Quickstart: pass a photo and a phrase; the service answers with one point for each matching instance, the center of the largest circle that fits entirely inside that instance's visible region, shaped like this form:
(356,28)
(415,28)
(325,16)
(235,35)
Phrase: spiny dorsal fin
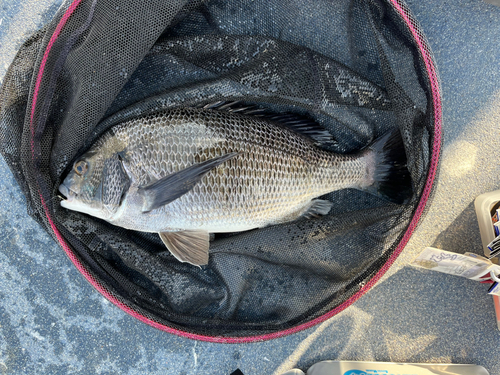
(298,123)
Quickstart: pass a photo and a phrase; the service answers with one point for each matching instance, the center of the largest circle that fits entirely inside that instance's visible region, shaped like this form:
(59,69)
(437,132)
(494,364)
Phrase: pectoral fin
(171,187)
(189,246)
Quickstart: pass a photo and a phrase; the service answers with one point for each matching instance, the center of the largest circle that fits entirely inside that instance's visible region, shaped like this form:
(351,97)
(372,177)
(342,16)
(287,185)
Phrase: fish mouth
(67,193)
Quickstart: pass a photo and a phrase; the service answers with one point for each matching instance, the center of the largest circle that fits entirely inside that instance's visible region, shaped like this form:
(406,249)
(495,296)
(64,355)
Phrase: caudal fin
(391,177)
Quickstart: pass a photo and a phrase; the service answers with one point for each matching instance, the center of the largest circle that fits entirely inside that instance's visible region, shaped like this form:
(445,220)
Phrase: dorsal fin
(301,124)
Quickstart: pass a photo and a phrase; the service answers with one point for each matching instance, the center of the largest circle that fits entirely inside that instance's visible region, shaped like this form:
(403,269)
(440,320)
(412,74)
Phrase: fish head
(96,185)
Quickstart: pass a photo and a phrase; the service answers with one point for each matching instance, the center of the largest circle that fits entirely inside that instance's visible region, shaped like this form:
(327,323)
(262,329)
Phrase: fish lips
(67,194)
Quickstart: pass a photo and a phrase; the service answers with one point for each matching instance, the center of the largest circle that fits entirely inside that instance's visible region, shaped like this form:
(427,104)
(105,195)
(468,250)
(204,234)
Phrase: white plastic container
(386,368)
(484,204)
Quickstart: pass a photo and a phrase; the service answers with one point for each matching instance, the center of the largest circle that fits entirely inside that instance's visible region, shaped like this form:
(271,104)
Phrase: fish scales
(188,172)
(276,173)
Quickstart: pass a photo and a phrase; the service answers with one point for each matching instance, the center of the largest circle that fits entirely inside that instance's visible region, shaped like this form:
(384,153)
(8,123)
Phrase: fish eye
(81,167)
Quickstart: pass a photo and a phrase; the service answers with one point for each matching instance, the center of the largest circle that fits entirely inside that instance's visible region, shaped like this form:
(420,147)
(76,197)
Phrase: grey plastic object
(294,372)
(386,368)
(483,205)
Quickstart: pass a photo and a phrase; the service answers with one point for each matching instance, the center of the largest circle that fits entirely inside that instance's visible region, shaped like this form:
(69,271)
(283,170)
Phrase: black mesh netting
(352,65)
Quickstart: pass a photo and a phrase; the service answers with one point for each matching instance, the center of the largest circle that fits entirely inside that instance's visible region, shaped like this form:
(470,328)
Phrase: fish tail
(389,175)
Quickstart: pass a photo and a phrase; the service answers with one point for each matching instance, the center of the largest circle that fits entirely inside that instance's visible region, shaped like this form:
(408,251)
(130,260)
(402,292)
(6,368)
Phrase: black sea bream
(188,172)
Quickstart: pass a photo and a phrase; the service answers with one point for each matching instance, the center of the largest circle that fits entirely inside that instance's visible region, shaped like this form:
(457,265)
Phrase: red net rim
(424,49)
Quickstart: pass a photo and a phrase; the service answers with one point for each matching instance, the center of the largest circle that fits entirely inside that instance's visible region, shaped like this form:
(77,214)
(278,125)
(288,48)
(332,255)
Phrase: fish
(185,173)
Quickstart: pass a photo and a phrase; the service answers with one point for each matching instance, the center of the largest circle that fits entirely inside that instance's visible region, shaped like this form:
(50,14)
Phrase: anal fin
(189,246)
(318,207)
(311,209)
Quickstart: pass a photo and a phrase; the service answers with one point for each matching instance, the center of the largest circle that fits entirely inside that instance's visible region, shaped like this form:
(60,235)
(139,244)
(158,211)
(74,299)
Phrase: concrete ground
(53,322)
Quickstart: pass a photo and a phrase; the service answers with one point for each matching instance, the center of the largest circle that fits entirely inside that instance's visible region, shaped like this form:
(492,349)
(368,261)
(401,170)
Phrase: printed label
(495,289)
(467,265)
(495,217)
(494,246)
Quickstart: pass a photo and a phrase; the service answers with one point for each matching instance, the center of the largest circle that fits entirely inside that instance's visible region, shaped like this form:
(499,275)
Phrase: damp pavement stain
(53,322)
(18,20)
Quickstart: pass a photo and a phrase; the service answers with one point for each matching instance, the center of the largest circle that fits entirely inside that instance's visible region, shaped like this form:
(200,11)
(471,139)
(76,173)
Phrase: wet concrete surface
(53,322)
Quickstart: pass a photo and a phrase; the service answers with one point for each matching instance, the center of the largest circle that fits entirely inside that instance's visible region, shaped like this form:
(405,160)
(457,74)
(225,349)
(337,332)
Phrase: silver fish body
(257,173)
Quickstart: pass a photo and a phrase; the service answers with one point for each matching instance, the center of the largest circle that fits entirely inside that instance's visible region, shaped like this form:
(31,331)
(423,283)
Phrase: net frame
(36,113)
